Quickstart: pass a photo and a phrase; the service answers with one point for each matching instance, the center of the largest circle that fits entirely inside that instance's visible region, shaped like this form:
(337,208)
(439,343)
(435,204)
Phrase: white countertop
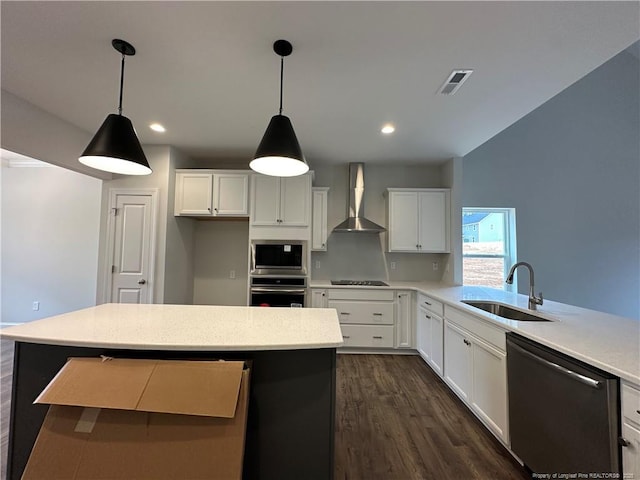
(185,327)
(605,341)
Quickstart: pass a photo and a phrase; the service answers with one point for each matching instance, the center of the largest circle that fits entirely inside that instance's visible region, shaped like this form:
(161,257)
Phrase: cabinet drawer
(380,313)
(430,304)
(631,403)
(359,294)
(478,327)
(367,335)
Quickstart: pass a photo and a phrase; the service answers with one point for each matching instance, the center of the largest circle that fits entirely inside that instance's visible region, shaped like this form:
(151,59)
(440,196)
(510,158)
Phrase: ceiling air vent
(454,81)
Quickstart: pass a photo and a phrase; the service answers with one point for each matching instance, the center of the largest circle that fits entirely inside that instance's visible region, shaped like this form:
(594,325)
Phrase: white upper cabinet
(281,201)
(194,193)
(231,194)
(319,218)
(418,220)
(211,193)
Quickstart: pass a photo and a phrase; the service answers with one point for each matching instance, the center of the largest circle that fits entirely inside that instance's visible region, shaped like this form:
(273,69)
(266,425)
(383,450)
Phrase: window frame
(510,245)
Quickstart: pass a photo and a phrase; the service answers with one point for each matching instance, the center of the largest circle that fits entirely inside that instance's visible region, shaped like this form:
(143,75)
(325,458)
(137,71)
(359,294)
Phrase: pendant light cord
(121,85)
(281,77)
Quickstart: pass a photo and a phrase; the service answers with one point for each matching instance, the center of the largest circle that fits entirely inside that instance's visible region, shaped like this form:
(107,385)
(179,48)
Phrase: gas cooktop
(367,283)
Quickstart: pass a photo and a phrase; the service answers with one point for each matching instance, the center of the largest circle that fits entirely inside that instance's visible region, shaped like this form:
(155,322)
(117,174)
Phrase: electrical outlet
(317,263)
(232,274)
(435,266)
(393,265)
(36,306)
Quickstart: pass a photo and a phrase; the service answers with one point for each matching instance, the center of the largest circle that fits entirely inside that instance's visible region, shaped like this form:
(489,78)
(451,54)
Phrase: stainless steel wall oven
(278,291)
(278,275)
(279,257)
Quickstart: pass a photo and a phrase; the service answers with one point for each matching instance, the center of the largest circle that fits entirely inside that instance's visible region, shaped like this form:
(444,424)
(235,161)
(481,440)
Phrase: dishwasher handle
(559,368)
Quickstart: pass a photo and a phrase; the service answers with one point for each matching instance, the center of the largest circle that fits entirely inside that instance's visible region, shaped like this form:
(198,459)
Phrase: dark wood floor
(6,367)
(396,420)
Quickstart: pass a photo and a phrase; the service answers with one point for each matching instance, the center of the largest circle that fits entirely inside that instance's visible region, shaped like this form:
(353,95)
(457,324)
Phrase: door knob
(142,282)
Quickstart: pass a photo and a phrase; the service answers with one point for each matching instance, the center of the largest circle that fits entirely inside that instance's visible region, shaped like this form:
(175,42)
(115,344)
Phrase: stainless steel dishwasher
(563,414)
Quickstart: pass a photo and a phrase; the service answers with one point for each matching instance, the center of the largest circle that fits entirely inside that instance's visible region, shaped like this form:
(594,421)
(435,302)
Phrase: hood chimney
(356,221)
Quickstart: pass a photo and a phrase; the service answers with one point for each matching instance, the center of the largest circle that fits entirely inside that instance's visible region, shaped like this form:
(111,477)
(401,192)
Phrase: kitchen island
(290,426)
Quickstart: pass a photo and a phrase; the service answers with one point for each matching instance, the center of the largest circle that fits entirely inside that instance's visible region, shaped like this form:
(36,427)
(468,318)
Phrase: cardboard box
(142,419)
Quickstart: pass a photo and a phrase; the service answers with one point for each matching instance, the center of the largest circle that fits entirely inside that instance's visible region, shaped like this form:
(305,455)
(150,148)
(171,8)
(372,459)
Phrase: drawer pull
(623,442)
(377,314)
(427,316)
(378,337)
(346,336)
(638,412)
(427,303)
(466,342)
(345,313)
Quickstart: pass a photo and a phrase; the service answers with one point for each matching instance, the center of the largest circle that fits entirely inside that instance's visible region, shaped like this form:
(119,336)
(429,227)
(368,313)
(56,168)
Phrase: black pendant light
(115,147)
(279,152)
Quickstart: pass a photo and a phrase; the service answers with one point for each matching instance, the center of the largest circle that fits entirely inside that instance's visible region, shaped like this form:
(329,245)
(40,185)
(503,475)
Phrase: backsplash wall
(357,256)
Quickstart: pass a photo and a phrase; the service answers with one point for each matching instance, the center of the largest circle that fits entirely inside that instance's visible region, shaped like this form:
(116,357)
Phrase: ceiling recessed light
(388,129)
(156,127)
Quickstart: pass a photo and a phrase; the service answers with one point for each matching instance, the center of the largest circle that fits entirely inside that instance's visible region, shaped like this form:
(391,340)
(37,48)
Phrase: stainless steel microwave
(278,257)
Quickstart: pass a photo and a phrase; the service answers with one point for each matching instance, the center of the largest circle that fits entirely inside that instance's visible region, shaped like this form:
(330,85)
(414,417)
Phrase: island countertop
(185,327)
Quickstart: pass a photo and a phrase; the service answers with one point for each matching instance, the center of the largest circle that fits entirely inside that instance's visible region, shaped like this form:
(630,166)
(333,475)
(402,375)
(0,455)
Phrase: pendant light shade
(115,147)
(279,153)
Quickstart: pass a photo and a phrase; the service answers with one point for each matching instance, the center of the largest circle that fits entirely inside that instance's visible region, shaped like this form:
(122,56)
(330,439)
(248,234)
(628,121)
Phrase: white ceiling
(207,71)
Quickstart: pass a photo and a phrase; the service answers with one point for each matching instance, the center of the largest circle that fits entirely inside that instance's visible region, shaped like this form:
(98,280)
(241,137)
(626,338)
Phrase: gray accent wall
(571,170)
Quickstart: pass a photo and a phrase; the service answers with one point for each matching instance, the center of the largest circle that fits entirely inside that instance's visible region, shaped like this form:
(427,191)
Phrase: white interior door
(131,278)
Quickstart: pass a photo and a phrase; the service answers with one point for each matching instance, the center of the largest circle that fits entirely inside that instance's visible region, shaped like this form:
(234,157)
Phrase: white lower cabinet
(457,360)
(489,386)
(403,320)
(630,403)
(318,298)
(475,367)
(430,331)
(367,335)
(368,317)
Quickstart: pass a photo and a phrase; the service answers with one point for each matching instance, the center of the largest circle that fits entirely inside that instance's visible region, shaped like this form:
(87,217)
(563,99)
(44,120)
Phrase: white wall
(31,131)
(219,247)
(50,226)
(179,258)
(571,169)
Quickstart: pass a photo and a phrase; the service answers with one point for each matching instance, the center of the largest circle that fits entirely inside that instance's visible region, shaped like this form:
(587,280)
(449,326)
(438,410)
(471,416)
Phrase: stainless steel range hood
(356,221)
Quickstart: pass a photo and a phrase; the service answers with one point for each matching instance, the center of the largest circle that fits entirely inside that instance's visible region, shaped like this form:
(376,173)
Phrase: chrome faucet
(533,300)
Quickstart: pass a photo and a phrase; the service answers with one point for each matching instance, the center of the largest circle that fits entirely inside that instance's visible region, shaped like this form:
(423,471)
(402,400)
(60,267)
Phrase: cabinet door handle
(346,336)
(377,314)
(466,342)
(323,294)
(142,282)
(427,303)
(419,246)
(623,442)
(427,316)
(345,313)
(215,210)
(209,208)
(378,337)
(638,412)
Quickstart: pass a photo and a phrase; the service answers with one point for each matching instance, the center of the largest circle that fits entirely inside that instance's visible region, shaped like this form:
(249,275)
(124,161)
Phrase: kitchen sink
(505,311)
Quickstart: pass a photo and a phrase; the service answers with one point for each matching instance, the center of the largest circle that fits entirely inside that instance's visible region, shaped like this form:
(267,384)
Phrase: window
(488,246)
